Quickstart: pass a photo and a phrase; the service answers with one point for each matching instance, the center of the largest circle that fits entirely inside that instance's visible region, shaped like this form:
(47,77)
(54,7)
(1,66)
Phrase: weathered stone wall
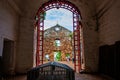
(90,35)
(109,21)
(8,30)
(109,27)
(65,42)
(24,55)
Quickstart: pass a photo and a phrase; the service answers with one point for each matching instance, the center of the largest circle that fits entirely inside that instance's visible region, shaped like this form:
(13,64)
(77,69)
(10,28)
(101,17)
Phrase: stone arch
(59,4)
(76,29)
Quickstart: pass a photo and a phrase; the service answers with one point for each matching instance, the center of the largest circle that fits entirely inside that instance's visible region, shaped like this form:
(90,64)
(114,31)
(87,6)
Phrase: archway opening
(58,35)
(77,47)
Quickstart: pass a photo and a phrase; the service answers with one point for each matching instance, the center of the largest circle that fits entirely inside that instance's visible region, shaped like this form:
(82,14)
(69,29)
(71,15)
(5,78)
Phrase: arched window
(57,42)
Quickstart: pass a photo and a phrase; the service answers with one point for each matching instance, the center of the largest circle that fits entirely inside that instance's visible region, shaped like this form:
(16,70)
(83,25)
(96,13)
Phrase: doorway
(77,27)
(57,56)
(8,56)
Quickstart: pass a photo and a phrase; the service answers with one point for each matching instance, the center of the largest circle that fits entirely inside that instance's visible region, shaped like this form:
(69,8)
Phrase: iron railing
(51,71)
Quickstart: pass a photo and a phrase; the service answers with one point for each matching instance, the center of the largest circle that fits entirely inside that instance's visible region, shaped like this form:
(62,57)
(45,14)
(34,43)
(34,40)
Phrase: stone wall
(109,21)
(24,54)
(65,42)
(103,15)
(8,30)
(109,28)
(90,35)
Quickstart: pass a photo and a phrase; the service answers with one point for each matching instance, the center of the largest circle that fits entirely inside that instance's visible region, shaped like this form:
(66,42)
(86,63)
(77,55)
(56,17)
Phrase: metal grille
(51,71)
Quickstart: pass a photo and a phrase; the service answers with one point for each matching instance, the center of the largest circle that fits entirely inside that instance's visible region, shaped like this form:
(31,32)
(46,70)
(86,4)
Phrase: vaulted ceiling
(29,8)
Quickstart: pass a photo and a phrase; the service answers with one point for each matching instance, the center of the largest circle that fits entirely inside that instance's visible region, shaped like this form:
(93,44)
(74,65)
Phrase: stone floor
(91,77)
(78,76)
